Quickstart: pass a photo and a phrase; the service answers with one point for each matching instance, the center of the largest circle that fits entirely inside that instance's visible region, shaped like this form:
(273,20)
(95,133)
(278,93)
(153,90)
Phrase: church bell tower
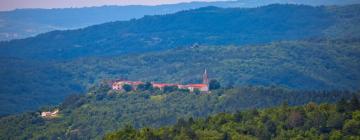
(205,78)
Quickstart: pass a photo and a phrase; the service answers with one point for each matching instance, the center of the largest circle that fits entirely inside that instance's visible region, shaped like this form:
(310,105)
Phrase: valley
(263,71)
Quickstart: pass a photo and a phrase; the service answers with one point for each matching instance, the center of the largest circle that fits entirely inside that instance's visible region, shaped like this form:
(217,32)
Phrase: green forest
(310,64)
(103,110)
(311,121)
(277,76)
(239,46)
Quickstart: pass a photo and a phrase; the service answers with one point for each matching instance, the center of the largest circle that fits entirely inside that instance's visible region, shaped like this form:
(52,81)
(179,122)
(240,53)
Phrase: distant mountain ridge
(22,23)
(207,26)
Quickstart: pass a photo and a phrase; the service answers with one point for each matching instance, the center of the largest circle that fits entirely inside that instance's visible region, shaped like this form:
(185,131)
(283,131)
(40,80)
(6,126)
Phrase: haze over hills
(87,82)
(205,26)
(22,23)
(48,67)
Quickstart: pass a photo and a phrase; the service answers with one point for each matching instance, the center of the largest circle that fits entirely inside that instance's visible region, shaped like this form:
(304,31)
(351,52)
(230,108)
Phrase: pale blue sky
(16,4)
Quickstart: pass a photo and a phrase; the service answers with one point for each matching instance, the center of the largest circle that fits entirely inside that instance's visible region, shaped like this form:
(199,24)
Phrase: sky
(6,5)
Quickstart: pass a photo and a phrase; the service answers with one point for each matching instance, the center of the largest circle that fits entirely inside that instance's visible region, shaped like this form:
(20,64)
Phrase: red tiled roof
(197,85)
(162,85)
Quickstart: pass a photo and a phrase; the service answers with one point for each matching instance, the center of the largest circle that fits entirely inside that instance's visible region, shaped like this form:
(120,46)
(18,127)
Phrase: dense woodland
(16,23)
(279,72)
(205,26)
(311,65)
(315,64)
(103,110)
(43,70)
(311,121)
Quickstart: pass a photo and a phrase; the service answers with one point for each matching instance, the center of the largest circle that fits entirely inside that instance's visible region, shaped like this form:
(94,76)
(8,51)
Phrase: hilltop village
(203,87)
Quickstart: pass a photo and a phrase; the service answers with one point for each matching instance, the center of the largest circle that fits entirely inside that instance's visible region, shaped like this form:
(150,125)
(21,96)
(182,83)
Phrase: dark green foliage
(296,64)
(168,89)
(354,103)
(341,105)
(43,70)
(72,101)
(127,87)
(102,111)
(146,86)
(214,84)
(25,85)
(128,133)
(265,124)
(196,91)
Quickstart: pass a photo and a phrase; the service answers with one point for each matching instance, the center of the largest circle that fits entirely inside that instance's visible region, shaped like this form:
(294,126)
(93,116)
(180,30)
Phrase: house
(118,85)
(50,114)
(200,87)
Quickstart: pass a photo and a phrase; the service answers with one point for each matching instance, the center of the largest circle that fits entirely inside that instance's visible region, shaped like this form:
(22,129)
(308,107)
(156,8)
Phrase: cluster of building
(202,87)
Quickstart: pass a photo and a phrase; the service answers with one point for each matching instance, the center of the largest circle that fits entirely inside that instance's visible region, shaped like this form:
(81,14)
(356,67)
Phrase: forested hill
(44,69)
(205,26)
(22,23)
(325,121)
(101,111)
(316,65)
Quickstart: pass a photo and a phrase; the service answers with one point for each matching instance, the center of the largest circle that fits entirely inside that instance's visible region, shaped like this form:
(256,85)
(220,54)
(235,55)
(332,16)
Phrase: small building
(200,87)
(118,85)
(50,114)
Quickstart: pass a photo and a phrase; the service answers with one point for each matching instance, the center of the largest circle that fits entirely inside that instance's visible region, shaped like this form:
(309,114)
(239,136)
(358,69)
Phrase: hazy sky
(14,4)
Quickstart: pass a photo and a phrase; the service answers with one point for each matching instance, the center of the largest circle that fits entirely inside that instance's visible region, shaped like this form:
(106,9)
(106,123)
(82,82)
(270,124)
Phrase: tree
(128,133)
(226,136)
(146,134)
(352,127)
(270,126)
(214,84)
(127,87)
(354,103)
(72,101)
(296,119)
(146,86)
(341,105)
(168,89)
(197,91)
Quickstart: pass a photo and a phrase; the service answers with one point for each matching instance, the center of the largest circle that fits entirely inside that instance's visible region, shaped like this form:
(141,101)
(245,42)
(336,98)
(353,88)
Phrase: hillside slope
(102,111)
(27,85)
(340,121)
(22,23)
(206,26)
(294,64)
(44,69)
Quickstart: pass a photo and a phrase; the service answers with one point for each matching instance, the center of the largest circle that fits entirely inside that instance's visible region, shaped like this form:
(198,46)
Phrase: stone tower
(205,78)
